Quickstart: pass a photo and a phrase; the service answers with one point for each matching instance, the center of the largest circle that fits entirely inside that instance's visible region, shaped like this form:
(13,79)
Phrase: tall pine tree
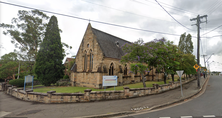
(186,44)
(49,67)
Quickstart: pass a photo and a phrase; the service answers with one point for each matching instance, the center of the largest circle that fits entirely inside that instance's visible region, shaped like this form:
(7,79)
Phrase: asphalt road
(209,103)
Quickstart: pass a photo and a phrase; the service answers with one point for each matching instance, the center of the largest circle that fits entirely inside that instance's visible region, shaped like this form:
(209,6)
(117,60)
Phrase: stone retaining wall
(88,95)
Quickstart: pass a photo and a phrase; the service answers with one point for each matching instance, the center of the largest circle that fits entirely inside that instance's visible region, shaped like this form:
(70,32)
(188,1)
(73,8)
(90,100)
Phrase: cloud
(142,15)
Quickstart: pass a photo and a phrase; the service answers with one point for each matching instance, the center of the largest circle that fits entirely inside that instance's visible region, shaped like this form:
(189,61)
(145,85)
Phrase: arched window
(111,69)
(125,70)
(91,61)
(85,61)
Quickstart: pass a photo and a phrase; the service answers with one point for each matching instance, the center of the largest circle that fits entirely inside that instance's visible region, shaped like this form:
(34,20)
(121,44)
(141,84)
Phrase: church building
(99,55)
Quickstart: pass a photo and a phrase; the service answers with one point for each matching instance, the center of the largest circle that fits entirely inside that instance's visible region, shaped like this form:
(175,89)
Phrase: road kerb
(150,109)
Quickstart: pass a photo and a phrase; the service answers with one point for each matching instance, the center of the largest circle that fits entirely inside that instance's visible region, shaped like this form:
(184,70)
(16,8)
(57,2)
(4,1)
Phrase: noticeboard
(109,80)
(28,79)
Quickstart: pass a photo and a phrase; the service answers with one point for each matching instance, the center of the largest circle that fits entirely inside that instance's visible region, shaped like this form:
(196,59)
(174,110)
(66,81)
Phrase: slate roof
(108,44)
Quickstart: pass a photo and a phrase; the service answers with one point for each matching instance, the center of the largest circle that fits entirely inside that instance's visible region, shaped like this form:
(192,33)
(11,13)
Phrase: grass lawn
(75,89)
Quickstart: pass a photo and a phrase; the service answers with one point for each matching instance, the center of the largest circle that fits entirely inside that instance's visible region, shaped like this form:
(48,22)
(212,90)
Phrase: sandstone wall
(88,95)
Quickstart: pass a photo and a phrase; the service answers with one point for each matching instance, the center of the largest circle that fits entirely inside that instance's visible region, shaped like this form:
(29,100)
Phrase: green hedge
(18,82)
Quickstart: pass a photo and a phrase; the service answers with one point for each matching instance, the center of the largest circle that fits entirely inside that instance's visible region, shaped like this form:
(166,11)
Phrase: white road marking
(209,116)
(186,117)
(4,113)
(164,117)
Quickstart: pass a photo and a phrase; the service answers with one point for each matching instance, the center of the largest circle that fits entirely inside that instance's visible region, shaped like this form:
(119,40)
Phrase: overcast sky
(141,14)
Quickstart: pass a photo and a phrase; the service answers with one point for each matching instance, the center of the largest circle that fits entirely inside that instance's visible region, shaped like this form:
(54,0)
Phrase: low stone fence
(88,95)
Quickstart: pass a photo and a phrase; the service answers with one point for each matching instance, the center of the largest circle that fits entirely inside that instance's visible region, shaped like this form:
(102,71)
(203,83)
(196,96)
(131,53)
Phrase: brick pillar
(132,77)
(126,92)
(49,93)
(87,94)
(3,86)
(120,79)
(7,88)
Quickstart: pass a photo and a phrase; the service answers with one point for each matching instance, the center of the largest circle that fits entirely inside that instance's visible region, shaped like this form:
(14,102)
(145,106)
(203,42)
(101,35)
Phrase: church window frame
(85,61)
(125,70)
(111,69)
(91,61)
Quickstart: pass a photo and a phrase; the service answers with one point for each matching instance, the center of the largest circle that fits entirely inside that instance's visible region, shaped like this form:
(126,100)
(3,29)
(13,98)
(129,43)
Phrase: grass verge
(75,89)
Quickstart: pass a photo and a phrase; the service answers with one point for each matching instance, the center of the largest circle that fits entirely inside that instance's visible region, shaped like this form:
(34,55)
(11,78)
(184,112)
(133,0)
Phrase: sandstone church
(98,55)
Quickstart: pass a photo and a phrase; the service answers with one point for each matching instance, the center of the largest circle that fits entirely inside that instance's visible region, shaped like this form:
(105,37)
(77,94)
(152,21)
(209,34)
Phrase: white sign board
(109,80)
(220,74)
(179,72)
(28,79)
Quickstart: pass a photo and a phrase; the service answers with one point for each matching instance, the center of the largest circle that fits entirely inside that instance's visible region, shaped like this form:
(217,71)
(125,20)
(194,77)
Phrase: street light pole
(209,64)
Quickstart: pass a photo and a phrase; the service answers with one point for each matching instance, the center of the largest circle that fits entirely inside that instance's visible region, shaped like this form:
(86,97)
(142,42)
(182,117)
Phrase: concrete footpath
(13,107)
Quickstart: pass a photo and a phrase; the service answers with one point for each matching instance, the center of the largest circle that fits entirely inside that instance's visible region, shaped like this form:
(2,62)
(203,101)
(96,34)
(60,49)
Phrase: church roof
(110,45)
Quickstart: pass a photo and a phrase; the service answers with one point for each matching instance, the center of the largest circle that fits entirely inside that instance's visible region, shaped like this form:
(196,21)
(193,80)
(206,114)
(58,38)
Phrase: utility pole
(206,60)
(198,44)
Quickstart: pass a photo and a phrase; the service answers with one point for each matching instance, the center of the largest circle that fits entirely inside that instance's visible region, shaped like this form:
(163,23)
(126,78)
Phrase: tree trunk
(164,78)
(143,78)
(148,75)
(172,75)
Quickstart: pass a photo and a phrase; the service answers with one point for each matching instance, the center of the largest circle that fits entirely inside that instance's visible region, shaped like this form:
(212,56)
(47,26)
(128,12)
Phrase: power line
(210,7)
(202,46)
(213,36)
(111,24)
(215,7)
(175,8)
(172,16)
(213,29)
(123,11)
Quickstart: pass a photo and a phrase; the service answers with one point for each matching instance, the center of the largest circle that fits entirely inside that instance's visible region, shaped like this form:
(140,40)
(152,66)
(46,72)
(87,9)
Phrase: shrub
(63,83)
(57,83)
(65,77)
(17,82)
(20,82)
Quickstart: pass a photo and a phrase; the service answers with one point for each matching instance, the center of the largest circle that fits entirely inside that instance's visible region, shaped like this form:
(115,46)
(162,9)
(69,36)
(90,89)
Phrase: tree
(173,60)
(49,67)
(160,56)
(136,54)
(8,65)
(143,57)
(186,44)
(187,62)
(165,57)
(27,32)
(159,52)
(186,49)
